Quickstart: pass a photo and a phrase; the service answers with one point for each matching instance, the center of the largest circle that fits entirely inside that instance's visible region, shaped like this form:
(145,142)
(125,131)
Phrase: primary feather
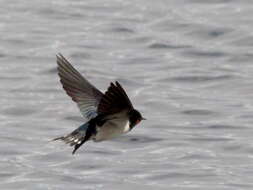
(78,88)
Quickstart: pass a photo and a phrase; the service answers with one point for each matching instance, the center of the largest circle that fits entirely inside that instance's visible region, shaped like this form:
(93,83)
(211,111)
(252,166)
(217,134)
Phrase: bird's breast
(111,129)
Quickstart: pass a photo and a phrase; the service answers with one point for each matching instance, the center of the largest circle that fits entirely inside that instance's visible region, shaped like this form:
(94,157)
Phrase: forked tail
(77,137)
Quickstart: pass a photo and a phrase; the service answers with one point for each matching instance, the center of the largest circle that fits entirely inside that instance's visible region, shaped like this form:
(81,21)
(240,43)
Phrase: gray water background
(186,64)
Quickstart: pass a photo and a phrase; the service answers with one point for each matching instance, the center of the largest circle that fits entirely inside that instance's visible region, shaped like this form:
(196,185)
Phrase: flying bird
(108,114)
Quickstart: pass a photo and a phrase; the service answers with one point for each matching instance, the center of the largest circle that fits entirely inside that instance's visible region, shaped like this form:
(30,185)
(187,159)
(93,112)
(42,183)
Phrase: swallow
(108,114)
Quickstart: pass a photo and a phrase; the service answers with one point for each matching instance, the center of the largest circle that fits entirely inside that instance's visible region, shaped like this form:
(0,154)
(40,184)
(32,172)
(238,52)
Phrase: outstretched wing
(78,88)
(114,100)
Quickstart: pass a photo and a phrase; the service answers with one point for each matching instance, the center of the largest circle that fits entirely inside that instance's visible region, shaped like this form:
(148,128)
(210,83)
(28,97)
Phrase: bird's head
(135,118)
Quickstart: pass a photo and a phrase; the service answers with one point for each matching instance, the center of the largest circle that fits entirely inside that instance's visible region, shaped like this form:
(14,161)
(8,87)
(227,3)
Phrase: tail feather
(76,137)
(58,138)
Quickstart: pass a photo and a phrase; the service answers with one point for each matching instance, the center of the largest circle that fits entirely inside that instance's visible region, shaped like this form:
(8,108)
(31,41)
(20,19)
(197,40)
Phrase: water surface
(186,64)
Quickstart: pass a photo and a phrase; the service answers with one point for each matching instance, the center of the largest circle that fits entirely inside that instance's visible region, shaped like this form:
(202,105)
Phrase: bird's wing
(114,100)
(78,88)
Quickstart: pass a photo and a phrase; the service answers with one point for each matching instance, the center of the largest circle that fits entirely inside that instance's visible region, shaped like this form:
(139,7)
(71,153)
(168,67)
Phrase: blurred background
(186,65)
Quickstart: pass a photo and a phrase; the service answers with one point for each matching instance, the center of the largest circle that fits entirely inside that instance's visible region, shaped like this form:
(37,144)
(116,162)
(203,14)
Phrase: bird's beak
(143,118)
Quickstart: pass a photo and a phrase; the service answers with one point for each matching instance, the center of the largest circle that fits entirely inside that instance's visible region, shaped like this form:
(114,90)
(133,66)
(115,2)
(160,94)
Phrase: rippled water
(186,64)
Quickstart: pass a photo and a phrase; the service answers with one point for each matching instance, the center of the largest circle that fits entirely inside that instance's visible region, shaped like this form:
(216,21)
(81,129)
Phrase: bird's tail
(77,137)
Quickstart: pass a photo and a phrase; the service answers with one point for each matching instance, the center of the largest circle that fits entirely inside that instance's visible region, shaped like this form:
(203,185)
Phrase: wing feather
(78,88)
(114,100)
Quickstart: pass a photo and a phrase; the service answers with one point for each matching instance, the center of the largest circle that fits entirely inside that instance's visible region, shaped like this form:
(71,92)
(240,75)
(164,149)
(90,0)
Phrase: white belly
(112,129)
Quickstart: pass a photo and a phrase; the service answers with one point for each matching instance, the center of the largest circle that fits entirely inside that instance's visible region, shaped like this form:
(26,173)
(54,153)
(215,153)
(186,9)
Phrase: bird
(108,114)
